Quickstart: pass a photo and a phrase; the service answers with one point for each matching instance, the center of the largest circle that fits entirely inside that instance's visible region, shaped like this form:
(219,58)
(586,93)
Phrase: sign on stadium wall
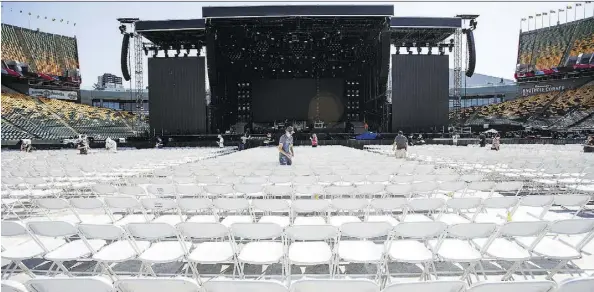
(532,88)
(56,94)
(541,88)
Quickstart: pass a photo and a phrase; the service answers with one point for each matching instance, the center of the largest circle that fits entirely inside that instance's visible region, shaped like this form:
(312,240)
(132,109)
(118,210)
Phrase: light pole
(551,14)
(530,17)
(575,11)
(567,10)
(560,10)
(588,2)
(521,21)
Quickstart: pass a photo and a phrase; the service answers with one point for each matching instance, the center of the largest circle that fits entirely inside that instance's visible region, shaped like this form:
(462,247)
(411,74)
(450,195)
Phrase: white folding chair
(351,179)
(91,204)
(493,208)
(189,190)
(205,180)
(509,187)
(363,250)
(384,210)
(217,285)
(120,249)
(370,190)
(481,189)
(409,244)
(312,191)
(128,204)
(379,178)
(160,251)
(576,285)
(161,190)
(255,180)
(264,247)
(429,286)
(553,248)
(402,179)
(571,204)
(502,246)
(31,247)
(429,208)
(424,189)
(277,180)
(157,284)
(399,190)
(515,286)
(455,244)
(163,209)
(250,190)
(314,207)
(339,192)
(343,285)
(90,284)
(305,180)
(217,191)
(134,191)
(354,208)
(72,250)
(329,179)
(268,207)
(311,245)
(279,191)
(13,286)
(208,250)
(459,206)
(201,206)
(233,211)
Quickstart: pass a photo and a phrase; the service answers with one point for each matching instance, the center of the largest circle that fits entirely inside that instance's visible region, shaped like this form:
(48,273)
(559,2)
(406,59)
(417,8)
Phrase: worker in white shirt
(111,145)
(221,141)
(26,145)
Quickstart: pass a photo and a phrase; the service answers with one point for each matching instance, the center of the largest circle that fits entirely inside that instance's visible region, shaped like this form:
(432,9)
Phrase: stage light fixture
(122,29)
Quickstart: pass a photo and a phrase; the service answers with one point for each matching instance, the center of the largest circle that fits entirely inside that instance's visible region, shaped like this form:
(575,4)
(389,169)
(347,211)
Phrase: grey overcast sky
(99,40)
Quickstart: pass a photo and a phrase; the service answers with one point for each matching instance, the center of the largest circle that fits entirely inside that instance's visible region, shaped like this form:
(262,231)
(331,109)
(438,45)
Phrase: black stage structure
(325,67)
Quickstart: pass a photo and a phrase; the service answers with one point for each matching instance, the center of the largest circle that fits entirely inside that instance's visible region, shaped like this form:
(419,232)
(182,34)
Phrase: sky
(99,40)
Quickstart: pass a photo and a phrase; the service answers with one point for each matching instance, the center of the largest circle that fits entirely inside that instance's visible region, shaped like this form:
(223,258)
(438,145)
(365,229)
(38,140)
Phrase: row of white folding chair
(96,284)
(335,211)
(400,186)
(419,242)
(306,171)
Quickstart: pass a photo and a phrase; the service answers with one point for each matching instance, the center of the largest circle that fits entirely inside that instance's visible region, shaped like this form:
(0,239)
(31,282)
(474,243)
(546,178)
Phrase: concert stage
(315,64)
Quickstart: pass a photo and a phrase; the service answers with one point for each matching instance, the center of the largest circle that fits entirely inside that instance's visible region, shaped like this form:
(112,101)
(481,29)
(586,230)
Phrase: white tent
(491,131)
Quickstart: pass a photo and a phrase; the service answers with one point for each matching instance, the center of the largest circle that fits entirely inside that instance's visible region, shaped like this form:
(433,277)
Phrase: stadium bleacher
(45,53)
(549,48)
(559,110)
(53,119)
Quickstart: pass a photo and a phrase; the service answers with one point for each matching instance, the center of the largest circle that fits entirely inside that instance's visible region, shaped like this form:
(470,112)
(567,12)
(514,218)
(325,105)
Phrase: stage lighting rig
(122,29)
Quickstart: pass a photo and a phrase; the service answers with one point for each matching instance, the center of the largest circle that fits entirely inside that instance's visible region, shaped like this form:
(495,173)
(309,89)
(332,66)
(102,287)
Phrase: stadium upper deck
(557,50)
(44,57)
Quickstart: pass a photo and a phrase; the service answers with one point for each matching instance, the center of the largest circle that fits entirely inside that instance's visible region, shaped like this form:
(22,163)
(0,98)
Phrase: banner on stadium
(55,94)
(541,88)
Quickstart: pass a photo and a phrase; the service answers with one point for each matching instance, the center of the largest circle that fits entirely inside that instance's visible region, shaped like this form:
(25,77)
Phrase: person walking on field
(400,147)
(314,140)
(285,147)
